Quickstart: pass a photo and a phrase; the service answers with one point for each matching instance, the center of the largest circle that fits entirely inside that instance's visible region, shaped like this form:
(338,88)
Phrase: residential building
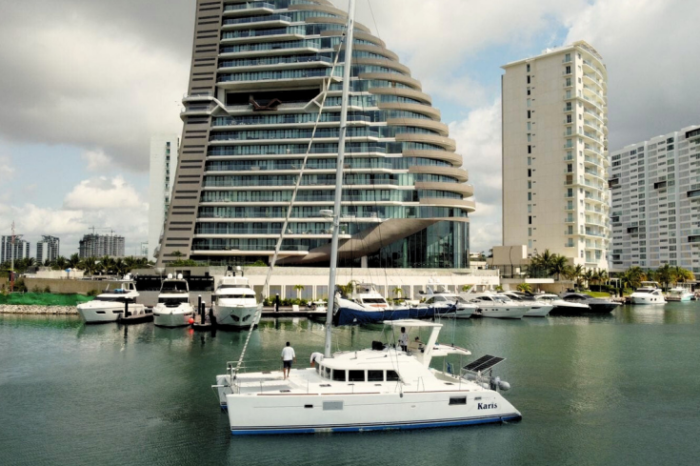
(48,248)
(555,159)
(94,245)
(21,249)
(259,75)
(656,202)
(164,155)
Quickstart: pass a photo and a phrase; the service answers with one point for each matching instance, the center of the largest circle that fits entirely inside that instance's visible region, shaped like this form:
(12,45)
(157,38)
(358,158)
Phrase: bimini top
(411,323)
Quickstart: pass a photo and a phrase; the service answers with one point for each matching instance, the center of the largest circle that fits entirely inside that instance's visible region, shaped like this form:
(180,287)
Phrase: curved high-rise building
(259,71)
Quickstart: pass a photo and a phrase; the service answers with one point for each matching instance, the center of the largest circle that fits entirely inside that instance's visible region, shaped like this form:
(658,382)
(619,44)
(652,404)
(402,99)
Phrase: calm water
(618,390)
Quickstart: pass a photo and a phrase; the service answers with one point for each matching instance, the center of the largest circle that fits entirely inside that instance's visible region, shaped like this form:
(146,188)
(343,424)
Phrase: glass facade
(272,68)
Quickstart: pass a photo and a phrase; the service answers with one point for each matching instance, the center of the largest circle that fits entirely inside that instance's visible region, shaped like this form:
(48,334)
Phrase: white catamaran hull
(241,316)
(172,317)
(302,414)
(98,313)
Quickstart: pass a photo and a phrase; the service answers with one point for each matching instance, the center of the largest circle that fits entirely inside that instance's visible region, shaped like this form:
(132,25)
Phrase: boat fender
(504,386)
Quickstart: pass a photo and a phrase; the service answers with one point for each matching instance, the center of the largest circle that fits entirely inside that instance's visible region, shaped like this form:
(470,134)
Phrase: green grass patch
(597,294)
(43,299)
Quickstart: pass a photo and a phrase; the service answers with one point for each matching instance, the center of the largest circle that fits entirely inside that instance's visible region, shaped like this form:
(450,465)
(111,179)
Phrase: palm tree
(588,276)
(466,288)
(299,289)
(684,275)
(60,263)
(558,265)
(398,291)
(525,288)
(666,274)
(74,261)
(600,276)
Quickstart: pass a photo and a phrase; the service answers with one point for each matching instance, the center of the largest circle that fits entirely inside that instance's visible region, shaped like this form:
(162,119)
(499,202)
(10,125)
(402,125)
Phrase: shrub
(47,289)
(93,293)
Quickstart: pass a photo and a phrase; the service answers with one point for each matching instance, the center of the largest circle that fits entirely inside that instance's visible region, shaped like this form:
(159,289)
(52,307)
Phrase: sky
(86,86)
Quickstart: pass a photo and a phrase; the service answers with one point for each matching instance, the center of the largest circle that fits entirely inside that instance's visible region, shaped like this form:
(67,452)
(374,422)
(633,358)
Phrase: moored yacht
(564,308)
(111,305)
(596,305)
(536,308)
(234,302)
(366,305)
(648,293)
(679,294)
(372,389)
(438,295)
(491,304)
(174,308)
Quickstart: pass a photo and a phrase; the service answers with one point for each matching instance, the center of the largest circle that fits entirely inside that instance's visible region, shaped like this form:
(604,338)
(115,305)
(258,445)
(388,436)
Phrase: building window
(529,149)
(529,162)
(528,79)
(529,218)
(567,58)
(568,70)
(529,232)
(528,67)
(529,114)
(529,173)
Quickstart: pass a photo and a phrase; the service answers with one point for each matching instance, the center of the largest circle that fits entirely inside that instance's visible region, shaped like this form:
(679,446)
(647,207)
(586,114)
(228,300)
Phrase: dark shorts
(287,364)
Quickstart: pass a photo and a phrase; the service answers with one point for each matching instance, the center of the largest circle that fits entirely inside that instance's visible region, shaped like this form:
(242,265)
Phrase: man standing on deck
(277,303)
(288,356)
(403,340)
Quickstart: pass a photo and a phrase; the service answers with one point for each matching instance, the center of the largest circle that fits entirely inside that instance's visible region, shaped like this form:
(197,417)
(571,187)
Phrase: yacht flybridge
(112,305)
(378,388)
(174,308)
(372,389)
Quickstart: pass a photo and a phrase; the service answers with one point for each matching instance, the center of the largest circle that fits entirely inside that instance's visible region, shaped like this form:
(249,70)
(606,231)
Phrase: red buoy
(191,321)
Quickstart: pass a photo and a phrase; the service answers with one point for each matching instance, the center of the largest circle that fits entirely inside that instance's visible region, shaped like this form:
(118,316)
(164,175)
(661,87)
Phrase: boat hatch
(484,363)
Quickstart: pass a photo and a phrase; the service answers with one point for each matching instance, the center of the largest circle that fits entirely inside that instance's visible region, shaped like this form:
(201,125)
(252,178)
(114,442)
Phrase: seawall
(38,310)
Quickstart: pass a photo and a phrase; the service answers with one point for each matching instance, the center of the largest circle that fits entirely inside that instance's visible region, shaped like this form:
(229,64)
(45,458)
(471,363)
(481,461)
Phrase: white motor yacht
(563,308)
(234,303)
(438,295)
(679,294)
(648,293)
(373,389)
(111,305)
(491,304)
(174,308)
(536,307)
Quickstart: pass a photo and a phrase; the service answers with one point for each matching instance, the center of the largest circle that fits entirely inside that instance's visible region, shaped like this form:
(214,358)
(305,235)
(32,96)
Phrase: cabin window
(462,400)
(392,376)
(375,376)
(356,376)
(339,376)
(328,373)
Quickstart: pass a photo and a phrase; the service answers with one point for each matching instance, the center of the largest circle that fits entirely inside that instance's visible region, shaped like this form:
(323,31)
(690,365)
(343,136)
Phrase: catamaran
(383,387)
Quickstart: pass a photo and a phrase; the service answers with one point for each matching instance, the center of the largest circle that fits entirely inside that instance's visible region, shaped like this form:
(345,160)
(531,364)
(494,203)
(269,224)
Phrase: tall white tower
(164,155)
(555,155)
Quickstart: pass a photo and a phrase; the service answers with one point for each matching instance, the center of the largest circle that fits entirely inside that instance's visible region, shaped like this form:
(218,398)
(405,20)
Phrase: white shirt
(288,353)
(317,357)
(403,339)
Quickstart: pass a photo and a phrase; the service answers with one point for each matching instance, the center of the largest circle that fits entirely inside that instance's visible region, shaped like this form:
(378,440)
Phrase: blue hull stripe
(376,427)
(347,316)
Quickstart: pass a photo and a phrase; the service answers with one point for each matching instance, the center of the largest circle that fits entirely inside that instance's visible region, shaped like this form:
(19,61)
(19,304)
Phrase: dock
(269,312)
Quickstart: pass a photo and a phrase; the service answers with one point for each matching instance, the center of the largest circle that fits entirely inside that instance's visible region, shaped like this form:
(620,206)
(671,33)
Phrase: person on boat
(288,356)
(315,358)
(403,339)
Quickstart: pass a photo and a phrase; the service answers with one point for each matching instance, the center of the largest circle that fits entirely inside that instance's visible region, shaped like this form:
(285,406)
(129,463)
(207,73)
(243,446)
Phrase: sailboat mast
(349,38)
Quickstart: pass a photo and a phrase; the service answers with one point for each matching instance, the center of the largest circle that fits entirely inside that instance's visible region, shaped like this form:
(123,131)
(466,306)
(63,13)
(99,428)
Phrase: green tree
(525,288)
(558,265)
(299,289)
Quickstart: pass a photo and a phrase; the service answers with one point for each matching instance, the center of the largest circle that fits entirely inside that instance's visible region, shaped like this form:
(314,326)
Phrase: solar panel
(483,363)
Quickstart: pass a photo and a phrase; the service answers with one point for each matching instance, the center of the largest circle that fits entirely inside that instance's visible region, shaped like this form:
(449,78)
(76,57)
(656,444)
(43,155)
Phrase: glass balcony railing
(274,61)
(249,6)
(258,19)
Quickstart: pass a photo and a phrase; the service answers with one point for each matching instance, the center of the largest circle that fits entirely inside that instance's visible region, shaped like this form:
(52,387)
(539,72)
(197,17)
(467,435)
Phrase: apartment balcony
(274,63)
(257,22)
(264,35)
(593,69)
(249,8)
(592,149)
(262,50)
(292,78)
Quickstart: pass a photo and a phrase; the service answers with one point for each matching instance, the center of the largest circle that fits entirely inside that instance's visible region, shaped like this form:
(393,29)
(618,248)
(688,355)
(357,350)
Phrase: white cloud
(479,141)
(97,160)
(104,203)
(95,85)
(103,194)
(6,168)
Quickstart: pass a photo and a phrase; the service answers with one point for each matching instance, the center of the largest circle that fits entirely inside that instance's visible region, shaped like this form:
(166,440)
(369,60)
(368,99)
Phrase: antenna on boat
(349,37)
